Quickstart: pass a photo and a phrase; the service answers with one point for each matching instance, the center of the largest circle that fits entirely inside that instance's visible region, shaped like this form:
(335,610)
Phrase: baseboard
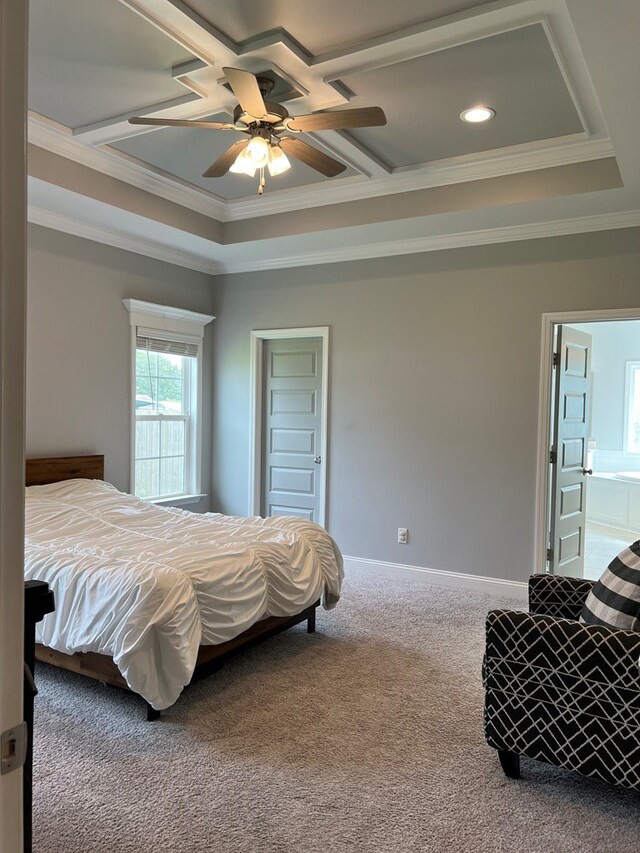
(439,577)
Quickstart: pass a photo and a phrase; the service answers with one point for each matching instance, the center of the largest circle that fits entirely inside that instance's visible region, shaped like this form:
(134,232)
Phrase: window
(163,418)
(632,408)
(167,380)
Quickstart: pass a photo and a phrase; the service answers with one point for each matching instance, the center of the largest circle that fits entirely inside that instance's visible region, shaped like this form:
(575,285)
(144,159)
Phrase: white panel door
(569,452)
(292,427)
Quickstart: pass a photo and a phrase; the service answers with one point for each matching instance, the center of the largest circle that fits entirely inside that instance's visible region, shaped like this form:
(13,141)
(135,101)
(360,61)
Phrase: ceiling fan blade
(245,88)
(364,117)
(179,122)
(312,157)
(222,164)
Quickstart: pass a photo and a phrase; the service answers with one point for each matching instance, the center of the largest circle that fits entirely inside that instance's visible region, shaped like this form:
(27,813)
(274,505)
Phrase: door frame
(258,336)
(13,225)
(543,483)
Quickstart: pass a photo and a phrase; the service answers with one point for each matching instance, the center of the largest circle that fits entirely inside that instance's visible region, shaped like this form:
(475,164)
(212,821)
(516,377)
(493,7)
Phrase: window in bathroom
(632,408)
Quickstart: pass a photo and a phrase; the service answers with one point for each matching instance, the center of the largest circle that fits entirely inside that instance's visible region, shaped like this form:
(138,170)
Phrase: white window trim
(175,323)
(630,367)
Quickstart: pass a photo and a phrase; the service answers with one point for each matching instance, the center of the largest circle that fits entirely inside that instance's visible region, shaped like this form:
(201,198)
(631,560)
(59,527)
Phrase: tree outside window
(162,423)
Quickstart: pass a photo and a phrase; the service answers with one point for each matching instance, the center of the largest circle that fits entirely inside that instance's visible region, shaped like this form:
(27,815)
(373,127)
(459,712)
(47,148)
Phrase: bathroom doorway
(593,443)
(613,447)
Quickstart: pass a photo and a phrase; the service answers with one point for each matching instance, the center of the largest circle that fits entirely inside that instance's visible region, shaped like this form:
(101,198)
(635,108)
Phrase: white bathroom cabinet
(613,502)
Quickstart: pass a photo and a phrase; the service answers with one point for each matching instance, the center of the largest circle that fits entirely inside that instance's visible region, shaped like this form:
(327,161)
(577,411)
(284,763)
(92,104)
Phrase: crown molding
(523,158)
(414,245)
(528,157)
(59,139)
(432,243)
(120,240)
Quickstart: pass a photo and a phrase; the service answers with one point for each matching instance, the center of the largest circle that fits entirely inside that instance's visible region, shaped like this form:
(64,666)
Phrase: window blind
(170,347)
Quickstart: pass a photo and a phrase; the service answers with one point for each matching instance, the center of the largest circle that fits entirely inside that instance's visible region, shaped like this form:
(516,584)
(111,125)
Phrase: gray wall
(434,389)
(79,345)
(613,345)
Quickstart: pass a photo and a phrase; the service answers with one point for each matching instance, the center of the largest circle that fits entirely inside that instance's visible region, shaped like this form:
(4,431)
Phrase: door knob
(317,459)
(587,471)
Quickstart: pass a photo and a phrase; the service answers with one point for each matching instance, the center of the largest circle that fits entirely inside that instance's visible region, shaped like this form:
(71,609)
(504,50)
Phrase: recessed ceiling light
(477,114)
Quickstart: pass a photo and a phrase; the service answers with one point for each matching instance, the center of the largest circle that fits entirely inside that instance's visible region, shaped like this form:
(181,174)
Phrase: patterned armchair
(560,691)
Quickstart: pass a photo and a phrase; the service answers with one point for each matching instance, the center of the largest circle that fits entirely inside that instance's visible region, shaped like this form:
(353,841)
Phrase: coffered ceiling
(327,26)
(514,72)
(92,59)
(547,68)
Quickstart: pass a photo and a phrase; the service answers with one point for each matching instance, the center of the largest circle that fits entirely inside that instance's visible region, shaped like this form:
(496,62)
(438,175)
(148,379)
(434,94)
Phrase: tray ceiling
(538,63)
(515,72)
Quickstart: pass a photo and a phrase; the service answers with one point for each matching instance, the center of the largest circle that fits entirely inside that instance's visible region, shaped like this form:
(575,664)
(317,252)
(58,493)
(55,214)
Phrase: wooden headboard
(54,469)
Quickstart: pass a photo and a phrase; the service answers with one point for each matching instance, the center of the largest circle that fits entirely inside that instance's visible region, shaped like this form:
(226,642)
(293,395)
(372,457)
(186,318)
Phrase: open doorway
(594,459)
(613,449)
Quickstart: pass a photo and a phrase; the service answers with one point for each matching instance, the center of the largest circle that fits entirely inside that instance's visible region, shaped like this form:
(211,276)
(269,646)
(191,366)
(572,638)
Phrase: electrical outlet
(403,535)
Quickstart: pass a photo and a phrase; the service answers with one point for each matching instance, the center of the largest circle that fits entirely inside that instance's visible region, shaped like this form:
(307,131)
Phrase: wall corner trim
(439,577)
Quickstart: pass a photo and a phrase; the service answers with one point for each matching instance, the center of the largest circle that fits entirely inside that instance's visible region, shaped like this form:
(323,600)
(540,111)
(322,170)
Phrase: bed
(150,598)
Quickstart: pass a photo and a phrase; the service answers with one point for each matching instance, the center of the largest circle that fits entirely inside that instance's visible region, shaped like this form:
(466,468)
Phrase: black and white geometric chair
(560,691)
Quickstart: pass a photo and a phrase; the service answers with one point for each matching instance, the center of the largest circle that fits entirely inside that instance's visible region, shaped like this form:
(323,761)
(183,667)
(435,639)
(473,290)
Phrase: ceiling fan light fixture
(258,151)
(244,164)
(278,161)
(476,115)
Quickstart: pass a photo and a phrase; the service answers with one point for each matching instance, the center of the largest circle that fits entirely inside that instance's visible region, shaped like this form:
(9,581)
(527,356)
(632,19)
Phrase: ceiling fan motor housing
(265,84)
(275,113)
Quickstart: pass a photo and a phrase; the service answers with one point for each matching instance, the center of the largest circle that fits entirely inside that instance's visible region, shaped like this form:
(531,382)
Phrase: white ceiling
(559,73)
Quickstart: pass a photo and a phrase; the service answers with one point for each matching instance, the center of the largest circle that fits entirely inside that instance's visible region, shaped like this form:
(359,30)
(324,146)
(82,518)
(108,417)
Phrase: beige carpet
(366,736)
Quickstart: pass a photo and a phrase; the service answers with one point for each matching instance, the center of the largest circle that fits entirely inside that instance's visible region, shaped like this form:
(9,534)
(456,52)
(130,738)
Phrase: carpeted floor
(366,736)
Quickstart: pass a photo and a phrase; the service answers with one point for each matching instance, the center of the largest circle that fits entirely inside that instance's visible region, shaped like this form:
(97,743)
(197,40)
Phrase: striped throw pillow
(614,600)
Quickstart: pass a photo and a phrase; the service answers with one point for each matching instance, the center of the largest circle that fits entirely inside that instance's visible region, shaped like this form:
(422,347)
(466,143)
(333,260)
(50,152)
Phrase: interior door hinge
(553,457)
(13,748)
(556,359)
(549,555)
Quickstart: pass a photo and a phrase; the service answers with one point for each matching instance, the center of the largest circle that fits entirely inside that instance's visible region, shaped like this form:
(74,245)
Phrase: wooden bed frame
(55,469)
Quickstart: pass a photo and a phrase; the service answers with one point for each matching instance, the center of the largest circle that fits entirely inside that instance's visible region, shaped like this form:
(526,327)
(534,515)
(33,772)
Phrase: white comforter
(148,585)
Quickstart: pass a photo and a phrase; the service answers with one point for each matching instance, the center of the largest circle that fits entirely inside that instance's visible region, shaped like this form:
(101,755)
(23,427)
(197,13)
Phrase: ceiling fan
(264,122)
